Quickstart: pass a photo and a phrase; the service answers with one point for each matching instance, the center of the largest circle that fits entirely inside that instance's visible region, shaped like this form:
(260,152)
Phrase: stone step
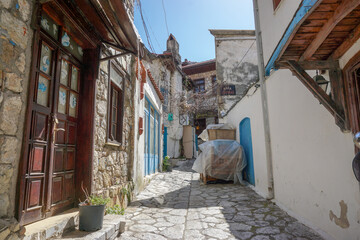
(52,227)
(113,226)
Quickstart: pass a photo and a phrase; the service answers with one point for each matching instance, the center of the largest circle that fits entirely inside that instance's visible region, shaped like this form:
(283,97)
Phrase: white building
(300,135)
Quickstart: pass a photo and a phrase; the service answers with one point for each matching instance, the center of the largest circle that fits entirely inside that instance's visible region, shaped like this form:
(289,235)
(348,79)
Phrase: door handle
(55,128)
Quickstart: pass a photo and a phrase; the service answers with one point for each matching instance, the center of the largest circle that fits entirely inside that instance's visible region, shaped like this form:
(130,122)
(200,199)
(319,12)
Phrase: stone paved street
(177,206)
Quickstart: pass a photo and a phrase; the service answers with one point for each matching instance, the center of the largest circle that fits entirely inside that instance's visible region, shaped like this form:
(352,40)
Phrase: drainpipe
(264,101)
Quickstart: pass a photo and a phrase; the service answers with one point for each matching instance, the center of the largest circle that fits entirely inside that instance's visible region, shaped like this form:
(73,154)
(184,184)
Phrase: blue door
(165,143)
(246,143)
(152,139)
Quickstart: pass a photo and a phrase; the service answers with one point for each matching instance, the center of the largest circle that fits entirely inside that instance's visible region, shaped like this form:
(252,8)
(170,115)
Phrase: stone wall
(15,47)
(111,173)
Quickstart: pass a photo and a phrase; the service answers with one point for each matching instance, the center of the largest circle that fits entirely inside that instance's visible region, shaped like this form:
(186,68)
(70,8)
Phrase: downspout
(264,100)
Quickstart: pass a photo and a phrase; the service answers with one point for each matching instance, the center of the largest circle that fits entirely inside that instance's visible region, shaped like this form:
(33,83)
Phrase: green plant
(166,163)
(116,209)
(98,200)
(93,199)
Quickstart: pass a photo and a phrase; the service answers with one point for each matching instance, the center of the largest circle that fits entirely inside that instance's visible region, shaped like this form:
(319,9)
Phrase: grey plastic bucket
(91,217)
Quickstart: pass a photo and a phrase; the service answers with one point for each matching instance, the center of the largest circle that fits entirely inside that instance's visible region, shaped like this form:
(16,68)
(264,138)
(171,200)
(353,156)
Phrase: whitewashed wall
(311,157)
(139,146)
(274,23)
(250,106)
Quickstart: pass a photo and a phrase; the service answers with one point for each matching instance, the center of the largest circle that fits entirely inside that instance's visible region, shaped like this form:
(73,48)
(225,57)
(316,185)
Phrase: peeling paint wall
(236,64)
(312,158)
(171,87)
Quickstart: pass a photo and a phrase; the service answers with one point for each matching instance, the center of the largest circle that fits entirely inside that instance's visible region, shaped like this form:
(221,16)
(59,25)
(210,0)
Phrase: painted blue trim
(305,7)
(151,161)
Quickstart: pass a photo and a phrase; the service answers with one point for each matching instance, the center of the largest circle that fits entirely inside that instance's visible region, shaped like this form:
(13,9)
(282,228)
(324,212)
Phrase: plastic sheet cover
(221,159)
(205,136)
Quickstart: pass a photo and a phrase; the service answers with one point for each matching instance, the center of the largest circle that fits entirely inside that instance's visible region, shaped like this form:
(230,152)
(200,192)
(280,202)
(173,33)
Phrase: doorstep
(52,227)
(113,226)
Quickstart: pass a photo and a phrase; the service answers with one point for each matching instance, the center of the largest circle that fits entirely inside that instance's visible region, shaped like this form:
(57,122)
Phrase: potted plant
(91,212)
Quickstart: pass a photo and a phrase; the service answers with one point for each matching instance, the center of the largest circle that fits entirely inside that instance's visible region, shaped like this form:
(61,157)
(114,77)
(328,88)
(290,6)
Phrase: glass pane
(43,91)
(72,46)
(113,131)
(64,72)
(74,78)
(116,77)
(114,115)
(62,100)
(147,105)
(73,104)
(114,98)
(45,59)
(49,26)
(152,143)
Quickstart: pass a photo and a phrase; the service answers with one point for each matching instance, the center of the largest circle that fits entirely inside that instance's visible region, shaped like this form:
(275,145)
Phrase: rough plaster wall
(251,106)
(311,158)
(170,84)
(15,47)
(139,140)
(236,64)
(110,163)
(280,18)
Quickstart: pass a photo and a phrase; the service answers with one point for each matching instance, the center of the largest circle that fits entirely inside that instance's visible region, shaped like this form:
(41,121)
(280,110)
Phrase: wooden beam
(338,95)
(346,45)
(316,90)
(341,11)
(310,65)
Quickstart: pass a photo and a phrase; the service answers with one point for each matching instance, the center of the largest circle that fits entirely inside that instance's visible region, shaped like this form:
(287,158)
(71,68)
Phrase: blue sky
(189,21)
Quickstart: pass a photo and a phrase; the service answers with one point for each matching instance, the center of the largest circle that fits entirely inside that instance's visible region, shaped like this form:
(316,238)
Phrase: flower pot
(91,217)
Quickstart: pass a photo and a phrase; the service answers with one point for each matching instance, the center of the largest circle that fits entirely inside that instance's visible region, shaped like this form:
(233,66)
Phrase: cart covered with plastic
(221,159)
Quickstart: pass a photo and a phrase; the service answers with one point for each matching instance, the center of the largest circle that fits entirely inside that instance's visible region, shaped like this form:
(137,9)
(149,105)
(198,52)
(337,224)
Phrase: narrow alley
(177,205)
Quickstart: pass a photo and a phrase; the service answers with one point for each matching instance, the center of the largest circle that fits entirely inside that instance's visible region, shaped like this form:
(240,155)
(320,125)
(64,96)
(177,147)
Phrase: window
(276,3)
(115,103)
(213,81)
(199,85)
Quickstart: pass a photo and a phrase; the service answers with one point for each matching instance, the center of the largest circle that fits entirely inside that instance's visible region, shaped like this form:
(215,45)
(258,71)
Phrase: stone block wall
(15,47)
(111,164)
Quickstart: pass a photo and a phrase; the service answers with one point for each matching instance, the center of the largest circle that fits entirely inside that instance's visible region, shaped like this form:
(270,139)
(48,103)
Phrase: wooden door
(48,169)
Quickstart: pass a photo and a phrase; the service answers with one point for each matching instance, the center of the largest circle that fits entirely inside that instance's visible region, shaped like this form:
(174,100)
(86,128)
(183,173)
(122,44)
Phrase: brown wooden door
(47,184)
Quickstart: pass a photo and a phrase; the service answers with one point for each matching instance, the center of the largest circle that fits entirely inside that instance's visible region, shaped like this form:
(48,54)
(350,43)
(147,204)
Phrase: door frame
(86,113)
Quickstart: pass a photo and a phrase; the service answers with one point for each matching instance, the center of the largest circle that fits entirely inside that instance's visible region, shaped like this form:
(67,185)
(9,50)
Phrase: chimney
(172,46)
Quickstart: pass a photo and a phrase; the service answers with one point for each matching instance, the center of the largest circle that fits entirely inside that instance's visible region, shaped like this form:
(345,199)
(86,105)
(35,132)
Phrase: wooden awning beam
(310,65)
(340,13)
(346,45)
(316,90)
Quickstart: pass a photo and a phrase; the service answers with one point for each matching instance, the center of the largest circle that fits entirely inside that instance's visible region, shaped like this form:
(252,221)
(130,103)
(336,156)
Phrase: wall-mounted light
(321,81)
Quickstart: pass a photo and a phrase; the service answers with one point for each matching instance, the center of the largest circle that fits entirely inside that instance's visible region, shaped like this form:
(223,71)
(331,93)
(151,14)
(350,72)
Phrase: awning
(99,20)
(320,32)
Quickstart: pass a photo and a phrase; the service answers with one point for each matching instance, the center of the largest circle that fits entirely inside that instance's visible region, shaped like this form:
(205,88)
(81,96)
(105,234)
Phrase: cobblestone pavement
(177,206)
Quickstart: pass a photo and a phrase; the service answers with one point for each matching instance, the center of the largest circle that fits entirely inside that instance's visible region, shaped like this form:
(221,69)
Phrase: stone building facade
(15,47)
(112,163)
(203,75)
(105,168)
(236,66)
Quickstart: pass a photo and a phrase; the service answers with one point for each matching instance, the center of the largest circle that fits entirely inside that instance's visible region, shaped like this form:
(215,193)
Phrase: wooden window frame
(276,3)
(197,85)
(112,86)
